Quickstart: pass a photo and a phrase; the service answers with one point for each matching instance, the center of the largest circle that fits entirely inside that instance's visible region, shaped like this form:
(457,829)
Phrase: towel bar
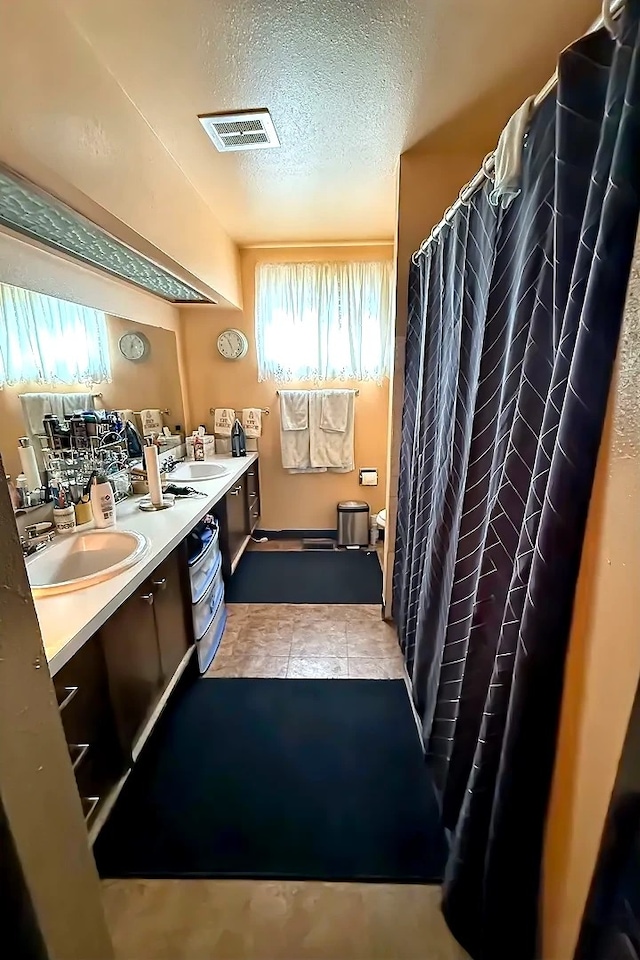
(265,410)
(356,393)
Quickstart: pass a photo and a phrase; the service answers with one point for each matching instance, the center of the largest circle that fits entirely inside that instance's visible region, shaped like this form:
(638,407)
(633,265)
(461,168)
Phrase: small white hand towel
(294,409)
(330,450)
(36,405)
(508,156)
(294,431)
(152,422)
(334,414)
(252,421)
(223,420)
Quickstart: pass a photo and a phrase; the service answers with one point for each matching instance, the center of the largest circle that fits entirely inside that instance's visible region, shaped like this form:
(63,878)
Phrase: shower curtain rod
(610,10)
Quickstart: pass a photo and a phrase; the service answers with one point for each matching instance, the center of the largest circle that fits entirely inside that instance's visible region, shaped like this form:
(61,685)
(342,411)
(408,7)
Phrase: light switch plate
(368,477)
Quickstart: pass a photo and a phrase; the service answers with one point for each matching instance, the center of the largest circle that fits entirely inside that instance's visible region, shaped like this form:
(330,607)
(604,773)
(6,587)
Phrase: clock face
(232,344)
(133,346)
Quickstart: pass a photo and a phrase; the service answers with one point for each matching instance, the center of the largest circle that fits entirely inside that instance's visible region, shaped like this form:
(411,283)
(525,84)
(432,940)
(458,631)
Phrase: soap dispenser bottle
(238,440)
(102,502)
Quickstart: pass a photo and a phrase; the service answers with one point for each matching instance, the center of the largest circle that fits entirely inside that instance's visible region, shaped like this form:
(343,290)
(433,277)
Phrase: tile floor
(286,920)
(307,640)
(276,920)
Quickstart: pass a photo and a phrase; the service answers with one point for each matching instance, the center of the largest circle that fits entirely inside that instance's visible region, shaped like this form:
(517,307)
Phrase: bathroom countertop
(67,620)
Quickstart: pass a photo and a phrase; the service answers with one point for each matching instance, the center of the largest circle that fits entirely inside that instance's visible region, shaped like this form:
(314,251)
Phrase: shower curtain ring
(462,199)
(488,171)
(449,214)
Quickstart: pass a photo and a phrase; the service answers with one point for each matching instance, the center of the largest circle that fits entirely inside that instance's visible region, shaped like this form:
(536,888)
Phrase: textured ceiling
(350,85)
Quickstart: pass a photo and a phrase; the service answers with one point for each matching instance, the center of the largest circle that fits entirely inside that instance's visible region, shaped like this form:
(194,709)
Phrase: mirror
(146,378)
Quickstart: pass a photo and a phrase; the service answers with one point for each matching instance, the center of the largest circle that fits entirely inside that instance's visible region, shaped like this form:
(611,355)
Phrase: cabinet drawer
(89,723)
(252,480)
(204,610)
(204,568)
(209,643)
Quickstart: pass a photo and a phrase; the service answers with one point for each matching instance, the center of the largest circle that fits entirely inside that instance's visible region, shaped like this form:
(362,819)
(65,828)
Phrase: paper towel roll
(152,467)
(29,464)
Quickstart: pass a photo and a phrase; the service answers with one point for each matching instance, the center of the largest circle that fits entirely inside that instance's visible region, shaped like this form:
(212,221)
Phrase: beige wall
(153,383)
(603,664)
(288,501)
(66,124)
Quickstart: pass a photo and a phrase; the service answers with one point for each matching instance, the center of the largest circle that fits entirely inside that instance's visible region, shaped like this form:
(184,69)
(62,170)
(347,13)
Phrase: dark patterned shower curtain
(513,325)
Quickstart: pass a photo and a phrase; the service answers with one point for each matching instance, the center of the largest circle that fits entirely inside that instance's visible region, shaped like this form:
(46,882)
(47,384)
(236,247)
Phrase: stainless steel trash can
(353,523)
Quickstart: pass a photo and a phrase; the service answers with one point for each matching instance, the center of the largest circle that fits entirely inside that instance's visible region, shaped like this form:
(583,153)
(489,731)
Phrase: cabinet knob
(147,597)
(159,584)
(234,493)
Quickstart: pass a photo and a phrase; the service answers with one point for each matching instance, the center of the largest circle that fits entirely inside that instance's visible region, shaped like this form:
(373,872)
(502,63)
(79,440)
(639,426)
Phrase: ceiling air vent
(249,130)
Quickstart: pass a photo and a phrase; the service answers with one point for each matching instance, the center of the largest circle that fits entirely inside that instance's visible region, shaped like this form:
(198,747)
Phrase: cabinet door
(89,724)
(237,517)
(169,613)
(130,645)
(253,496)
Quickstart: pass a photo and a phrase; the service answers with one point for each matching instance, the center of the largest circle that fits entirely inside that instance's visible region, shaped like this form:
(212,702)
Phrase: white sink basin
(190,472)
(75,561)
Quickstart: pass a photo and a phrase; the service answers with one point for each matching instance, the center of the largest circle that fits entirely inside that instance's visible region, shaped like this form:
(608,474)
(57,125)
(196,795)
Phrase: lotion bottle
(102,502)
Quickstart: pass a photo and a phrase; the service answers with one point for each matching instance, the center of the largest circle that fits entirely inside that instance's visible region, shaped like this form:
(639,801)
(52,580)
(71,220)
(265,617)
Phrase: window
(50,341)
(323,321)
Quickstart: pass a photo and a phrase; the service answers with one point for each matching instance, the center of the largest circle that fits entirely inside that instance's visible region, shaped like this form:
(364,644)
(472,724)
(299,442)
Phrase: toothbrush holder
(65,519)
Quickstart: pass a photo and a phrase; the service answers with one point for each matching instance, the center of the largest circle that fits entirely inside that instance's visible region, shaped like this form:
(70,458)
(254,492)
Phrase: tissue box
(209,446)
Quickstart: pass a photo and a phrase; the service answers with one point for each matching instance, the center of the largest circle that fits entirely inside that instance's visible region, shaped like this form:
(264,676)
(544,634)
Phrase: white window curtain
(46,340)
(323,321)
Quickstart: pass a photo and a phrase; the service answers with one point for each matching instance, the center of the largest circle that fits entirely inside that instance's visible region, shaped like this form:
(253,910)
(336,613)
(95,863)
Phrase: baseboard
(295,534)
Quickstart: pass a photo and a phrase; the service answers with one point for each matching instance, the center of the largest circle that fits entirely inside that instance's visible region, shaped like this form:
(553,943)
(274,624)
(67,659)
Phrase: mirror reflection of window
(46,340)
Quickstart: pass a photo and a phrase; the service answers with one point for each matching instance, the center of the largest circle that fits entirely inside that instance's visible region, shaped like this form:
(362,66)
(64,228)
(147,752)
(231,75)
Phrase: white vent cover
(249,130)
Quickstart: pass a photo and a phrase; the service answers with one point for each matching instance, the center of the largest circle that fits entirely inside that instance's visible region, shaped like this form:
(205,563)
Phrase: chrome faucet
(34,541)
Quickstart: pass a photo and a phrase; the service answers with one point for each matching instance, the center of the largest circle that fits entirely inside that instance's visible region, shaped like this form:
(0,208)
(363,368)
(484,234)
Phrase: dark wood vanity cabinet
(169,610)
(130,642)
(237,524)
(238,514)
(253,496)
(89,722)
(144,642)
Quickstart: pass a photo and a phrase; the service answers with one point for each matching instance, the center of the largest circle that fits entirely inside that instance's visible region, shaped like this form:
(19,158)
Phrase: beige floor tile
(228,647)
(358,612)
(305,613)
(379,630)
(310,644)
(320,628)
(276,920)
(236,612)
(377,649)
(274,641)
(383,668)
(225,667)
(268,613)
(262,665)
(324,668)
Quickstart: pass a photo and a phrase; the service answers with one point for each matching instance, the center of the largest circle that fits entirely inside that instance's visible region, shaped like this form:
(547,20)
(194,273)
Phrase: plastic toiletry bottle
(102,503)
(13,493)
(198,447)
(22,486)
(238,440)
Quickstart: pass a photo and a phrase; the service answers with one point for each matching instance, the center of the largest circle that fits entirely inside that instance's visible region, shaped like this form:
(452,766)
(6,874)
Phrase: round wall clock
(232,344)
(133,346)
